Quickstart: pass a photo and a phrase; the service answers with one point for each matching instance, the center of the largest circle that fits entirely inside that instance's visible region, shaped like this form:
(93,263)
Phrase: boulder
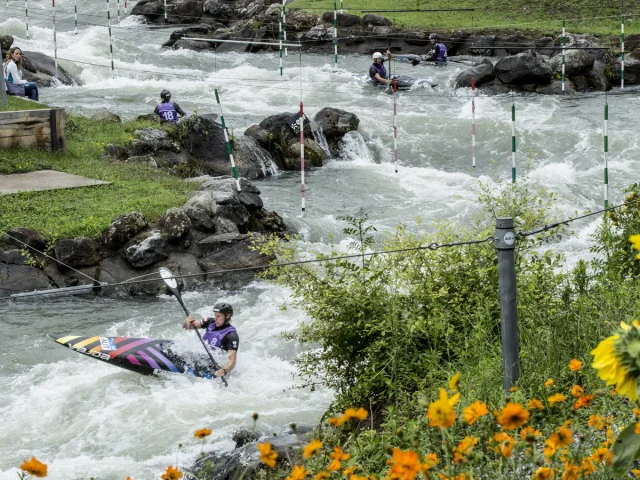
(123,229)
(153,10)
(244,436)
(22,278)
(282,135)
(226,192)
(250,200)
(483,73)
(144,159)
(597,78)
(264,221)
(77,252)
(523,68)
(314,155)
(300,21)
(635,53)
(483,46)
(12,257)
(148,117)
(116,152)
(221,241)
(319,33)
(216,8)
(5,42)
(259,134)
(580,83)
(43,69)
(343,19)
(370,20)
(335,122)
(25,237)
(252,159)
(106,116)
(204,140)
(577,62)
(555,88)
(175,224)
(224,225)
(151,140)
(631,71)
(184,11)
(201,209)
(238,214)
(148,252)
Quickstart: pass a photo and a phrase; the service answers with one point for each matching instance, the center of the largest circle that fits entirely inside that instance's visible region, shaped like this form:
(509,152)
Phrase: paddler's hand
(221,373)
(188,323)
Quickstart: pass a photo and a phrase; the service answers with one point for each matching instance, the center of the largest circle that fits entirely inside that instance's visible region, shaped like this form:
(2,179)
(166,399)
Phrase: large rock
(259,134)
(77,252)
(225,192)
(198,30)
(343,19)
(204,139)
(217,8)
(175,224)
(106,116)
(22,278)
(123,229)
(43,70)
(201,209)
(300,21)
(238,214)
(148,252)
(151,140)
(116,152)
(25,237)
(12,257)
(631,71)
(577,62)
(6,41)
(555,88)
(482,73)
(335,122)
(597,78)
(523,68)
(314,155)
(371,20)
(219,242)
(319,33)
(282,135)
(264,221)
(153,10)
(252,159)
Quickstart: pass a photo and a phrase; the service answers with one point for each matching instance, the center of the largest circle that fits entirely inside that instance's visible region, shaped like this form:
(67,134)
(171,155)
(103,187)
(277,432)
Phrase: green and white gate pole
(622,52)
(3,87)
(165,11)
(118,11)
(301,120)
(75,17)
(606,155)
(473,121)
(26,17)
(505,244)
(280,39)
(284,25)
(109,27)
(564,41)
(227,142)
(335,34)
(513,143)
(55,37)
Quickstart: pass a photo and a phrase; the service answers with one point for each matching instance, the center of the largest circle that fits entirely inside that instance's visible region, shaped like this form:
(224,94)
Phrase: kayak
(145,356)
(417,60)
(405,82)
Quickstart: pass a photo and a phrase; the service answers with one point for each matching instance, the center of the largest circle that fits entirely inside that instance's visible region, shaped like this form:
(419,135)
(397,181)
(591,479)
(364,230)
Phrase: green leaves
(626,450)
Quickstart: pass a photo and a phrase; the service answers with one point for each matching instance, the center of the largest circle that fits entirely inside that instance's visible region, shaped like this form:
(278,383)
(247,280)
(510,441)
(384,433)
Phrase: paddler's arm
(191,323)
(380,79)
(232,363)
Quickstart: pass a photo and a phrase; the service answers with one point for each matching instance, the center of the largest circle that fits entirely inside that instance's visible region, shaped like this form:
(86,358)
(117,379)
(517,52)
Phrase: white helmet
(377,55)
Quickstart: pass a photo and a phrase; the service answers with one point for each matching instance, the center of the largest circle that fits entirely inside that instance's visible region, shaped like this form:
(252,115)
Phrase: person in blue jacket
(377,72)
(439,52)
(168,110)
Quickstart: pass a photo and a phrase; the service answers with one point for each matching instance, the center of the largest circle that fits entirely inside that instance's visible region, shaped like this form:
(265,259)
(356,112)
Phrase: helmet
(223,307)
(434,35)
(165,95)
(377,55)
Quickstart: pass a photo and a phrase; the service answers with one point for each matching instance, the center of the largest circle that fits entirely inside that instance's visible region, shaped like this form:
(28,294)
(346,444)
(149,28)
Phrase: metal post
(118,11)
(505,243)
(622,51)
(26,17)
(165,11)
(284,25)
(335,35)
(301,120)
(280,39)
(3,87)
(564,40)
(473,121)
(513,143)
(606,155)
(55,37)
(109,27)
(75,17)
(395,125)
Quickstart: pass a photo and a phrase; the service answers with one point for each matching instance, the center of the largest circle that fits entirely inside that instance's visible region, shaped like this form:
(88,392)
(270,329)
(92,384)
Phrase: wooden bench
(41,129)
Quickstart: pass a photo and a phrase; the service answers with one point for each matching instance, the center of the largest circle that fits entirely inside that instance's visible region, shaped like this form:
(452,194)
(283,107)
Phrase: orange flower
(441,413)
(405,465)
(637,429)
(171,474)
(602,455)
(512,416)
(584,402)
(587,467)
(298,473)
(34,467)
(430,461)
(337,457)
(463,449)
(571,472)
(597,422)
(529,434)
(128,478)
(335,421)
(268,455)
(454,382)
(505,443)
(474,411)
(549,382)
(513,389)
(575,365)
(562,437)
(535,404)
(577,391)
(323,475)
(349,470)
(312,448)
(203,433)
(557,398)
(359,414)
(543,473)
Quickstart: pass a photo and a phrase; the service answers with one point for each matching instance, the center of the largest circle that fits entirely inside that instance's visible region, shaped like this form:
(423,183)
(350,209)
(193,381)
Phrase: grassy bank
(544,17)
(87,211)
(17,103)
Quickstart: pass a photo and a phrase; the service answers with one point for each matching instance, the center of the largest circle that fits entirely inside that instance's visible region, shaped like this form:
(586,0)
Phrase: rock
(151,140)
(238,214)
(252,160)
(250,200)
(314,155)
(153,10)
(319,33)
(577,62)
(201,209)
(12,257)
(77,252)
(175,223)
(123,229)
(523,68)
(511,45)
(225,192)
(300,21)
(264,221)
(273,10)
(370,20)
(580,83)
(144,159)
(483,73)
(224,225)
(483,46)
(43,66)
(584,42)
(170,159)
(216,8)
(22,278)
(21,236)
(105,116)
(117,152)
(555,88)
(335,122)
(219,242)
(282,135)
(259,134)
(151,250)
(343,19)
(148,117)
(597,77)
(244,436)
(6,41)
(205,142)
(631,71)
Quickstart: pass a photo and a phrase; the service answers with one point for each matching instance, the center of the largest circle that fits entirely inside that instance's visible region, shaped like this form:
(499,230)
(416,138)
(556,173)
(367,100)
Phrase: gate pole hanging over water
(564,40)
(118,11)
(284,25)
(505,244)
(280,38)
(109,26)
(335,34)
(26,17)
(622,49)
(55,37)
(473,121)
(75,17)
(125,7)
(227,142)
(165,11)
(302,154)
(606,155)
(395,124)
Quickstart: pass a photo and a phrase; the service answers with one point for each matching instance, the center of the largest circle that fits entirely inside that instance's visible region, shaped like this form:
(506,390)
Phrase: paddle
(170,280)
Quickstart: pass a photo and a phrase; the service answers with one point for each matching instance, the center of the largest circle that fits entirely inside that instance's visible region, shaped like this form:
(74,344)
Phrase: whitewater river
(87,419)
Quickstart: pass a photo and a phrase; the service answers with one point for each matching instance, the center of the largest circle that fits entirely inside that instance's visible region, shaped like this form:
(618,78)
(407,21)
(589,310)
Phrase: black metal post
(3,87)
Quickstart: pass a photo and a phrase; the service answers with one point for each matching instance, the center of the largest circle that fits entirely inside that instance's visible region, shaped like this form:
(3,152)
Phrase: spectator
(13,76)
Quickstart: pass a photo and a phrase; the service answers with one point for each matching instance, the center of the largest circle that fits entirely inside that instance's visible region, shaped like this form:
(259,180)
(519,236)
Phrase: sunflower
(512,416)
(34,467)
(474,411)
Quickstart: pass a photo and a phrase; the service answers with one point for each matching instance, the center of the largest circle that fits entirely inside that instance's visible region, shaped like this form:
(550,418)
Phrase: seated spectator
(168,110)
(14,83)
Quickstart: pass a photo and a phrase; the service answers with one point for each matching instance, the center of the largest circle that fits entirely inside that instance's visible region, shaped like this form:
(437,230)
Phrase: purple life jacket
(214,337)
(442,53)
(379,69)
(167,111)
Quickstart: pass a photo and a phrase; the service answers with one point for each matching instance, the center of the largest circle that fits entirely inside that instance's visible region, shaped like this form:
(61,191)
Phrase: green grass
(539,17)
(87,211)
(17,103)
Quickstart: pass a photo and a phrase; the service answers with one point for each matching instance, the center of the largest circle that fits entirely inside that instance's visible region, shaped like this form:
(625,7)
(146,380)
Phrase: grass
(537,17)
(87,211)
(17,103)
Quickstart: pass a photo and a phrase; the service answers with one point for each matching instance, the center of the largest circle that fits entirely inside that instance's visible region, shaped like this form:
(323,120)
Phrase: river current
(88,419)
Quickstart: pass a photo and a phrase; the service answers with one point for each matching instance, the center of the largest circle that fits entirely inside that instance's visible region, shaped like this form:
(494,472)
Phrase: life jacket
(379,69)
(167,111)
(442,53)
(214,337)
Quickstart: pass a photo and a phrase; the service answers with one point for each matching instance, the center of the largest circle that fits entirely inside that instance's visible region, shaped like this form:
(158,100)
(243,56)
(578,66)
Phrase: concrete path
(43,180)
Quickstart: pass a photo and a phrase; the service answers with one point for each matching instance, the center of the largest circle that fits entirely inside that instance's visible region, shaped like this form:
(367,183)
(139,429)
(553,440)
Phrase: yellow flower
(543,473)
(637,429)
(430,461)
(474,411)
(505,443)
(588,467)
(535,404)
(463,449)
(585,401)
(597,422)
(203,433)
(34,467)
(312,448)
(635,239)
(322,475)
(171,474)
(454,381)
(577,391)
(405,465)
(557,398)
(441,413)
(549,382)
(602,455)
(575,365)
(571,472)
(512,416)
(268,455)
(349,471)
(359,414)
(562,437)
(529,434)
(337,457)
(636,472)
(636,412)
(298,473)
(513,389)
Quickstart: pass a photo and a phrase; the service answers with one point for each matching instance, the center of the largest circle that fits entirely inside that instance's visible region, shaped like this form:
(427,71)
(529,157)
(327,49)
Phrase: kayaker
(168,110)
(220,333)
(439,52)
(377,72)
